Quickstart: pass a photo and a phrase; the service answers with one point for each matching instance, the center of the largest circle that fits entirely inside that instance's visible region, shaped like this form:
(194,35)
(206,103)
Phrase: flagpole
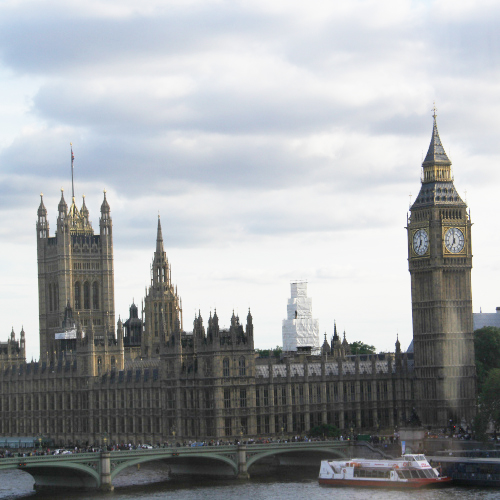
(72,183)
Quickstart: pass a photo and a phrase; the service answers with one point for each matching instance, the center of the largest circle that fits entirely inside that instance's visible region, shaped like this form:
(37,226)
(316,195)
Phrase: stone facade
(205,385)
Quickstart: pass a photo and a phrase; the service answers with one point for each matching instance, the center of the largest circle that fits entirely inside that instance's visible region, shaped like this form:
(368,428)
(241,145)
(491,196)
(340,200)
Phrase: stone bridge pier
(242,462)
(106,484)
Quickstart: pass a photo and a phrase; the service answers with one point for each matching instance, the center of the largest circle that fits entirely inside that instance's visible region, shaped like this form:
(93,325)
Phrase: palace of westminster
(147,380)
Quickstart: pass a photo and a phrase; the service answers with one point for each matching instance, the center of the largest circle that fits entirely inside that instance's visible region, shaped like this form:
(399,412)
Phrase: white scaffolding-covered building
(300,330)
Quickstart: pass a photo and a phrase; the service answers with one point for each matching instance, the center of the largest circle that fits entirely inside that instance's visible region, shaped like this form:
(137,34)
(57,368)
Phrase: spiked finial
(72,181)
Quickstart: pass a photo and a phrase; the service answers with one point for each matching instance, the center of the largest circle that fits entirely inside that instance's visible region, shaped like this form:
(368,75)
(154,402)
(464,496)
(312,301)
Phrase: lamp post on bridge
(105,440)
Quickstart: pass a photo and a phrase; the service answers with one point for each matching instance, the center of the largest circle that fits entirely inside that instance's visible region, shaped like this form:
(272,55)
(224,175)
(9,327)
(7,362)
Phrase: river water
(151,483)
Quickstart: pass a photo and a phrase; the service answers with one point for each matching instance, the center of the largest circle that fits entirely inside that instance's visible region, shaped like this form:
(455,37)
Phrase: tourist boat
(409,471)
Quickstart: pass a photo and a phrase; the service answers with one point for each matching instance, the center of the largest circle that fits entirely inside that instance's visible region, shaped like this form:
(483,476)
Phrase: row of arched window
(226,370)
(83,297)
(53,297)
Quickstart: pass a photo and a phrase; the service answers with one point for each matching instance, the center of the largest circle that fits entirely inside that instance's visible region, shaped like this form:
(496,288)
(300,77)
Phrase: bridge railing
(229,448)
(44,458)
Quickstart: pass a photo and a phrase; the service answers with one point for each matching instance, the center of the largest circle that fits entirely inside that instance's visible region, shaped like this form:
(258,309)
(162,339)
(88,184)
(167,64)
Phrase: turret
(345,346)
(198,330)
(398,355)
(325,348)
(22,344)
(215,325)
(120,358)
(105,221)
(119,333)
(62,209)
(42,226)
(249,330)
(84,212)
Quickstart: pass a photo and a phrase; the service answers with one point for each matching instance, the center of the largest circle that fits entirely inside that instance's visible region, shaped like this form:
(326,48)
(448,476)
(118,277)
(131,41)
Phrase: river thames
(151,483)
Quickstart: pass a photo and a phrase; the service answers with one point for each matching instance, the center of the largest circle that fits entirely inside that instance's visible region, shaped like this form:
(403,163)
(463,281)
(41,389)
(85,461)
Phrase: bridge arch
(75,475)
(253,458)
(122,464)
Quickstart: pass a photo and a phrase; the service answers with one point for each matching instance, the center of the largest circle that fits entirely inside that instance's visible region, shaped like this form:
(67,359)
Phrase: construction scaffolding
(300,330)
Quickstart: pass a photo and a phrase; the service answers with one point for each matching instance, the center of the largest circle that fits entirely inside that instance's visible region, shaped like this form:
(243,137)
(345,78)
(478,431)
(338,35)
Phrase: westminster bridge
(98,469)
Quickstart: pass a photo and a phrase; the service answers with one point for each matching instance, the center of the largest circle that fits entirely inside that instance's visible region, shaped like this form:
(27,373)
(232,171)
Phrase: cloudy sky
(278,140)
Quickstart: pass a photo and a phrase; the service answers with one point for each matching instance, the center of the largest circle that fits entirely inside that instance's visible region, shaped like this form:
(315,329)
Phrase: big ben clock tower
(440,263)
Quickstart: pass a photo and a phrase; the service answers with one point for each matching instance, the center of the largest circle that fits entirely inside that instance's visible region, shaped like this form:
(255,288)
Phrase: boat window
(421,474)
(428,473)
(414,474)
(406,473)
(400,474)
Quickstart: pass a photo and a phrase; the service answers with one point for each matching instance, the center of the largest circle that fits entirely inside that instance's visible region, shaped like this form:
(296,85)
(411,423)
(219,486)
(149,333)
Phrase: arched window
(56,297)
(50,297)
(95,295)
(241,364)
(225,367)
(78,299)
(86,295)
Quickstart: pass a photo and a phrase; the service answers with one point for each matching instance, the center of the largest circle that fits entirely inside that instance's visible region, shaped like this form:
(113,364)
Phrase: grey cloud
(463,47)
(233,112)
(42,43)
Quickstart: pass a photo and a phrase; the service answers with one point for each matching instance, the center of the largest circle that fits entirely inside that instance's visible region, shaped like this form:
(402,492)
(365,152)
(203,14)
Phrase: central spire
(437,165)
(436,153)
(159,238)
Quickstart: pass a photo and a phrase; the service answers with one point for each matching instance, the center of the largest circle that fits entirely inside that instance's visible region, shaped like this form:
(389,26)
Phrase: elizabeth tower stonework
(440,263)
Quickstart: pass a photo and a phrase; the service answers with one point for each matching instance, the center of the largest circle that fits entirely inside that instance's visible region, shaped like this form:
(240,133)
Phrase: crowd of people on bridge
(70,449)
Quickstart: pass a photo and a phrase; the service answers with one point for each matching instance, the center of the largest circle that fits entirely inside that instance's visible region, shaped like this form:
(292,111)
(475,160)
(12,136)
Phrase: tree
(487,352)
(326,430)
(266,353)
(489,402)
(359,347)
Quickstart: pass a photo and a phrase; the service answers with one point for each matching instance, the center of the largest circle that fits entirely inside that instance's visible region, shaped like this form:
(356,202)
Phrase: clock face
(420,241)
(454,240)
